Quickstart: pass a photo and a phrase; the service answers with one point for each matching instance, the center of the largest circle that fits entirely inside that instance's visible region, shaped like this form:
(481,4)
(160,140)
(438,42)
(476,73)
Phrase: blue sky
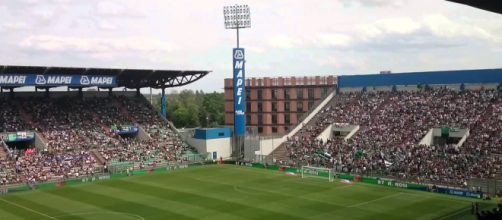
(294,37)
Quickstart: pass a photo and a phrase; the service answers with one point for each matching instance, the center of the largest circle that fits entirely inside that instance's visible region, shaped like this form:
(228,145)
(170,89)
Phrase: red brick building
(273,105)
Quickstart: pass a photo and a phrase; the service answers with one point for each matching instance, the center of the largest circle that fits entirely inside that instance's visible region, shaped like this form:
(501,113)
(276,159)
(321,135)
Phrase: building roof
(489,5)
(129,78)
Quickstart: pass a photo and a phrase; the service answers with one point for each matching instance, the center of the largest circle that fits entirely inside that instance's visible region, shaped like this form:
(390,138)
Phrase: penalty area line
(374,200)
(26,208)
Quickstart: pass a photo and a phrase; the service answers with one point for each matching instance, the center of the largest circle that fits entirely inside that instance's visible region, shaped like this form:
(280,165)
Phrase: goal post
(317,172)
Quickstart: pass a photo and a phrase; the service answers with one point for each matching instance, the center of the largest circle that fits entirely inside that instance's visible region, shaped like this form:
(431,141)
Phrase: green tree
(189,108)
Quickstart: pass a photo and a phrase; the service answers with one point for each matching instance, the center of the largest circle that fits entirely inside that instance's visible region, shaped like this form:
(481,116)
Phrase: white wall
(199,144)
(352,133)
(268,145)
(223,147)
(427,140)
(326,134)
(464,138)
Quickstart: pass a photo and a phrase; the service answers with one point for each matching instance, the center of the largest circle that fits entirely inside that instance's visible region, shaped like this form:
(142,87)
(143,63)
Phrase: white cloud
(335,40)
(11,27)
(124,9)
(401,25)
(53,43)
(442,26)
(284,42)
(373,3)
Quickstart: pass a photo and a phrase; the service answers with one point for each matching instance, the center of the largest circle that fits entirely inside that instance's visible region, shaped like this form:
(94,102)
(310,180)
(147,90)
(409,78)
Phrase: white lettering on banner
(99,80)
(239,112)
(59,80)
(239,81)
(239,64)
(9,79)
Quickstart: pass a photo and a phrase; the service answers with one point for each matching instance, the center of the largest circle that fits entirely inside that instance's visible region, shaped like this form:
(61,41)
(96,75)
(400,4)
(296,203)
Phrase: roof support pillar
(163,103)
(110,91)
(47,90)
(80,93)
(138,93)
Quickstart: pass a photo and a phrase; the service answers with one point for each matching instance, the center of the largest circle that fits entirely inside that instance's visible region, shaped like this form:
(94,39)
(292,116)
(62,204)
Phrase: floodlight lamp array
(237,16)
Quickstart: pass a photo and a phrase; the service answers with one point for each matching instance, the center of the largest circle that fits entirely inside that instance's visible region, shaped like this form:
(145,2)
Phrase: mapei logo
(40,80)
(239,55)
(85,80)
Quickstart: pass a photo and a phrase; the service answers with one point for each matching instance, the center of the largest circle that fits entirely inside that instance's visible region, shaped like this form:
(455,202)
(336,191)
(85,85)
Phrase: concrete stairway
(95,153)
(124,110)
(3,152)
(281,153)
(105,128)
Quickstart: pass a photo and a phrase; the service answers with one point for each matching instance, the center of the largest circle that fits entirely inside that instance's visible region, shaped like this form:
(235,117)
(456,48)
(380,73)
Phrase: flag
(387,163)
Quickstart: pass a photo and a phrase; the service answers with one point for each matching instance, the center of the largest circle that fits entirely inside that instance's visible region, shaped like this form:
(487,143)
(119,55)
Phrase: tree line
(189,109)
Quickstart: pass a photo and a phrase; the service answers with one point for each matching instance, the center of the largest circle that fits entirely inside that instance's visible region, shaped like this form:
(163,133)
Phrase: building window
(260,130)
(286,129)
(311,104)
(286,106)
(323,80)
(274,106)
(274,129)
(310,81)
(248,106)
(299,106)
(248,119)
(260,94)
(311,93)
(299,93)
(275,81)
(248,94)
(287,119)
(324,91)
(274,94)
(299,81)
(260,107)
(260,119)
(286,93)
(274,119)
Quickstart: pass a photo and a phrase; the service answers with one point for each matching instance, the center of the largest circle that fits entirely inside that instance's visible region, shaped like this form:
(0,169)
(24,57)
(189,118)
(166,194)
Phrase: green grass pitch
(229,192)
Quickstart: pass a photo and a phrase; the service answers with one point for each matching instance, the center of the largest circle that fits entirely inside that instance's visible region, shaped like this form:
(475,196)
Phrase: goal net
(317,172)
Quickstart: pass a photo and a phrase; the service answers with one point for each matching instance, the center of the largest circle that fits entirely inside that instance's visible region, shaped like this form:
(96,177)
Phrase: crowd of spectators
(72,128)
(391,126)
(10,119)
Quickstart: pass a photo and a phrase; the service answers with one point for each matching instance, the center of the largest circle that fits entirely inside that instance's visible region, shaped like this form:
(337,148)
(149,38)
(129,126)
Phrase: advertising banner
(239,92)
(57,80)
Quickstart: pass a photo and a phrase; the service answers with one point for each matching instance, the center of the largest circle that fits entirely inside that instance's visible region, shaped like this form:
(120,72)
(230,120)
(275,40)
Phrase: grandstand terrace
(49,136)
(393,114)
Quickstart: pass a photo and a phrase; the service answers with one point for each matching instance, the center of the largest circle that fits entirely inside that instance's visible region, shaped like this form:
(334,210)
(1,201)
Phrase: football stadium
(90,143)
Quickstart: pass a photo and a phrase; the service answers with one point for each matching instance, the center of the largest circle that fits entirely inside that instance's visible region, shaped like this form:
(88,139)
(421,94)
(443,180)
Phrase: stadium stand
(392,124)
(79,136)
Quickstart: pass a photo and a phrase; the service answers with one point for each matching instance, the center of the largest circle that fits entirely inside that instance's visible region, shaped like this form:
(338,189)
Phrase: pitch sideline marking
(377,199)
(26,208)
(455,213)
(101,212)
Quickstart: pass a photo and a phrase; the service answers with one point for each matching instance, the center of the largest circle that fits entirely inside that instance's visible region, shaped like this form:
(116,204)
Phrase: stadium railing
(158,168)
